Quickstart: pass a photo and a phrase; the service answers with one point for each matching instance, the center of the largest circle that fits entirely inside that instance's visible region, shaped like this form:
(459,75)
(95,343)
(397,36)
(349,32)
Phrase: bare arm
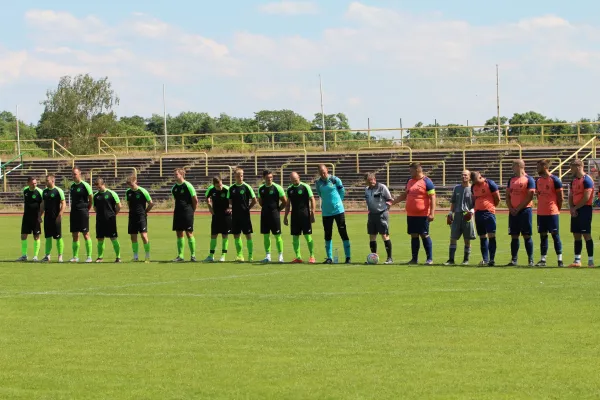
(559,199)
(526,201)
(91,202)
(586,196)
(284,202)
(210,204)
(118,208)
(508,203)
(496,196)
(149,207)
(432,205)
(194,203)
(252,203)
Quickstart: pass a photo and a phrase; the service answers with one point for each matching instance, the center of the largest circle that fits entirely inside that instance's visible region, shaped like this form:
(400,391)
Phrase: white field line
(292,295)
(142,284)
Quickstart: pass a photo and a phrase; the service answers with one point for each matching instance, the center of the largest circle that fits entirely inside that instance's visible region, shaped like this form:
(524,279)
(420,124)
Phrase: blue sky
(382,60)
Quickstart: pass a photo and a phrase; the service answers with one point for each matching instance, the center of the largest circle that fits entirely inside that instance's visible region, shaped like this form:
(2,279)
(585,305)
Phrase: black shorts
(52,229)
(582,223)
(270,222)
(220,225)
(241,224)
(183,221)
(137,224)
(417,225)
(80,221)
(31,225)
(106,228)
(301,225)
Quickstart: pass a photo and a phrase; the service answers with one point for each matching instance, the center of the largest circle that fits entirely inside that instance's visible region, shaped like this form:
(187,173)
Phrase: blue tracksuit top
(332,194)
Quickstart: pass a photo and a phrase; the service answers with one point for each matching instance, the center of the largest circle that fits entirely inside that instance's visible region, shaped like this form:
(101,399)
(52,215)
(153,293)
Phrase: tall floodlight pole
(165,120)
(18,134)
(322,114)
(498,104)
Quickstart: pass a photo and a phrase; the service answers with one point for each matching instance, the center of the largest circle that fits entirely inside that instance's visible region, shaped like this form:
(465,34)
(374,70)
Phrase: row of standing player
(230,208)
(479,196)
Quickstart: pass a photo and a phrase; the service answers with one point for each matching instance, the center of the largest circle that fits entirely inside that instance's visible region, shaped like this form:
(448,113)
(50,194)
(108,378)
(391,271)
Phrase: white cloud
(290,7)
(376,62)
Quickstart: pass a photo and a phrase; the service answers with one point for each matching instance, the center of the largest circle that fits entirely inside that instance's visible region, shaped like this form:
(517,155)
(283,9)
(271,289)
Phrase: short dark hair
(99,181)
(50,175)
(577,163)
(416,165)
(370,175)
(31,178)
(216,179)
(474,175)
(267,172)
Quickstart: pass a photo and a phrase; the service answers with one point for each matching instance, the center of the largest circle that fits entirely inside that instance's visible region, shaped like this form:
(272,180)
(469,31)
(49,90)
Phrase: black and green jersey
(240,196)
(220,202)
(137,200)
(32,200)
(52,199)
(299,196)
(270,196)
(106,204)
(79,195)
(183,193)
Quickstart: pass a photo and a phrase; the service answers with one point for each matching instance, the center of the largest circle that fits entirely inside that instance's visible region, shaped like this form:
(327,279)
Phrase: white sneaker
(88,260)
(35,259)
(60,259)
(22,258)
(210,258)
(136,258)
(74,260)
(222,259)
(267,259)
(281,258)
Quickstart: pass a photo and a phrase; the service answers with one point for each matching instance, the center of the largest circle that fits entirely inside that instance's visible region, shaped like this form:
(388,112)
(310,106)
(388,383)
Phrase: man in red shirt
(420,211)
(487,198)
(581,197)
(519,199)
(549,191)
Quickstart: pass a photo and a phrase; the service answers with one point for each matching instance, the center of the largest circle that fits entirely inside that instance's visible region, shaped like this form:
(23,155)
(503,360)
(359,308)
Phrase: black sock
(589,245)
(388,248)
(373,245)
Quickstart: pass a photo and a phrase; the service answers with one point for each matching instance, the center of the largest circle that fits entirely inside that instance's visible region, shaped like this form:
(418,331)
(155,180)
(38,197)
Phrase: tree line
(81,108)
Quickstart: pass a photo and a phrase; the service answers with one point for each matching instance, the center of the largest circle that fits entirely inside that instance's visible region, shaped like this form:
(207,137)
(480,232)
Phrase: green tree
(530,117)
(79,108)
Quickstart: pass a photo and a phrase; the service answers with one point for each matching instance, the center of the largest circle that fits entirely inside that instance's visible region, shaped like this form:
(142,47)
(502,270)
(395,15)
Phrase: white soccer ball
(372,258)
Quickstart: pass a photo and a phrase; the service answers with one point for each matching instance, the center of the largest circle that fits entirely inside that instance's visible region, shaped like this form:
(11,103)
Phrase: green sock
(147,249)
(88,248)
(267,242)
(135,246)
(48,246)
(100,248)
(225,246)
(36,247)
(192,245)
(238,246)
(296,244)
(24,248)
(213,245)
(311,244)
(117,247)
(76,245)
(279,243)
(60,245)
(250,244)
(180,247)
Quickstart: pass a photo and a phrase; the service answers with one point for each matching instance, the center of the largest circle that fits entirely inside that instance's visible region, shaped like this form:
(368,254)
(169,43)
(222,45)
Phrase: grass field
(251,331)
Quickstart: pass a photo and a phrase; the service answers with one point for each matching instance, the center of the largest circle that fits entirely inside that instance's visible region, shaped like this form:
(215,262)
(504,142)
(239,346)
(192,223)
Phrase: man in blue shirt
(331,191)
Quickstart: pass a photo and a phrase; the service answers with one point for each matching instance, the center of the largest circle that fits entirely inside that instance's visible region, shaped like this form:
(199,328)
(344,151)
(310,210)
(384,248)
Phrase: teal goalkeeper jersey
(332,194)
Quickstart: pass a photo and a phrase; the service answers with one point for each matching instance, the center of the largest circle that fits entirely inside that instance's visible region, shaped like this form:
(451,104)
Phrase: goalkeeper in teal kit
(332,191)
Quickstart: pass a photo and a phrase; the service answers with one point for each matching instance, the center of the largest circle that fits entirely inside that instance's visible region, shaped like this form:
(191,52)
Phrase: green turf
(248,331)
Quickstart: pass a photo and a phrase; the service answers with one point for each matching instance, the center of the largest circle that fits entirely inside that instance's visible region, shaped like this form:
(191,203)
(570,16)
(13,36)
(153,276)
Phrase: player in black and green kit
(32,218)
(54,207)
(186,202)
(81,203)
(140,203)
(107,205)
(272,199)
(303,204)
(218,205)
(241,199)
